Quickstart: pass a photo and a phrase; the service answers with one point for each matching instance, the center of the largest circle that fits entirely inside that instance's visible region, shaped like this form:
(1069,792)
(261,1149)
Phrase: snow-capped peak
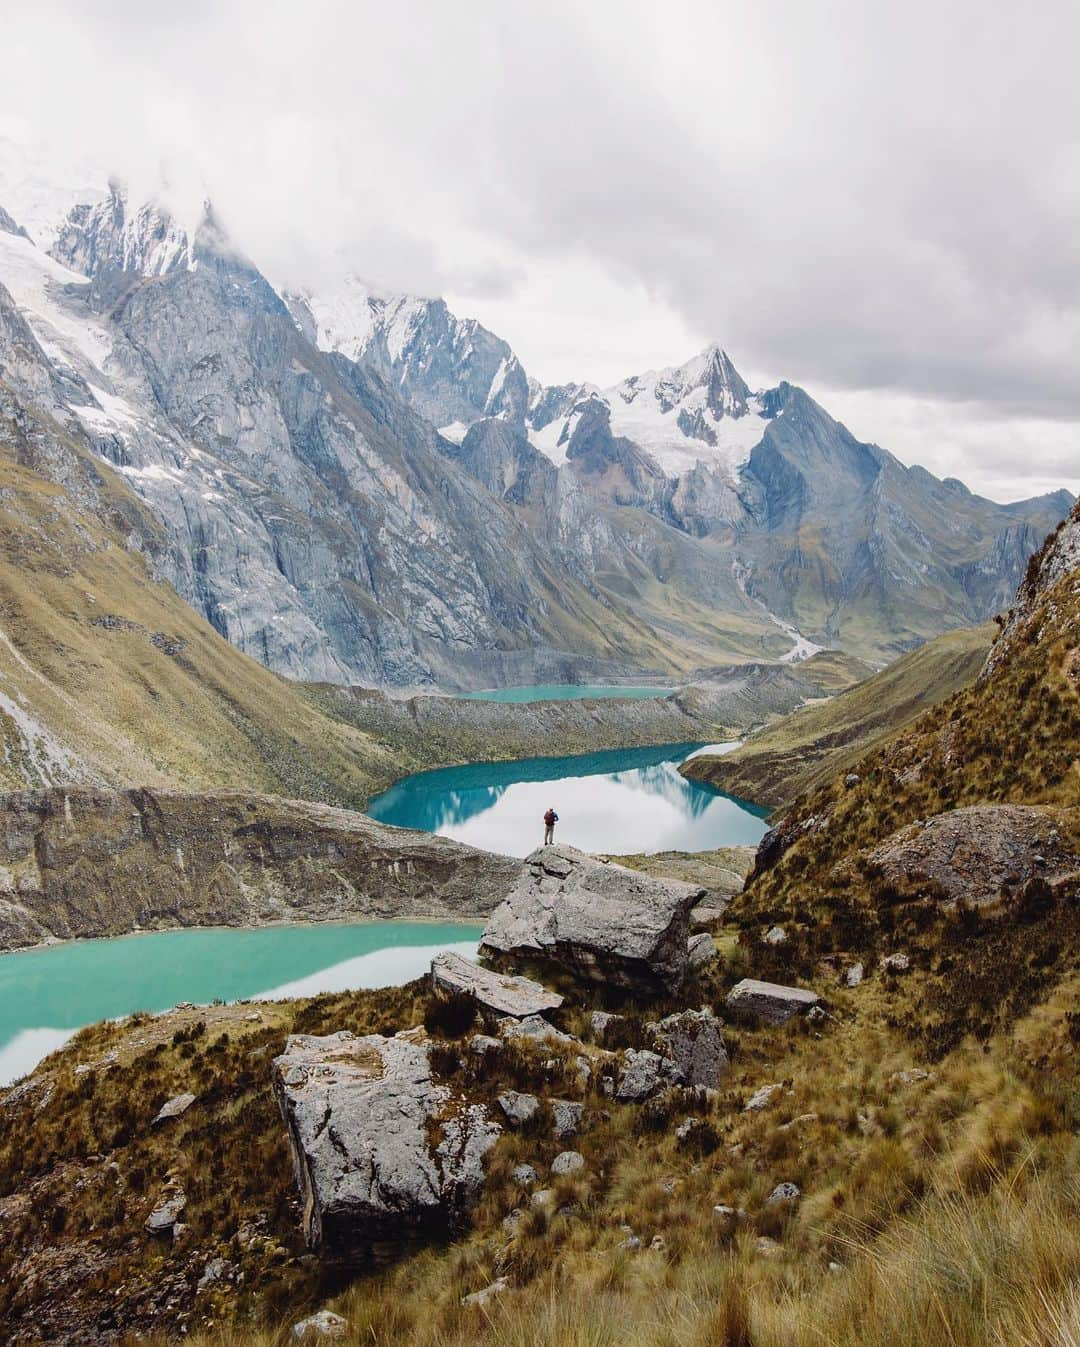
(109,236)
(700,412)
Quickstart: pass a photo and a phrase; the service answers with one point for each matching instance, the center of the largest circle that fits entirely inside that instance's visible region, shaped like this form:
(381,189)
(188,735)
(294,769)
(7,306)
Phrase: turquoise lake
(560,692)
(621,801)
(47,994)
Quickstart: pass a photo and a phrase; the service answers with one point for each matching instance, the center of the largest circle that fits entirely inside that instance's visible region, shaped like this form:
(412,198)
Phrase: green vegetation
(800,752)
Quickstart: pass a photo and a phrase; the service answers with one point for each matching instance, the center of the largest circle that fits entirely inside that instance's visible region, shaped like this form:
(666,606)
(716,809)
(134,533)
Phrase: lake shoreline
(321,923)
(55,990)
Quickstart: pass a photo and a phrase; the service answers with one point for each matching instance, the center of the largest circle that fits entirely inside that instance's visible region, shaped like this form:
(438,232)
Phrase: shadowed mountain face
(356,487)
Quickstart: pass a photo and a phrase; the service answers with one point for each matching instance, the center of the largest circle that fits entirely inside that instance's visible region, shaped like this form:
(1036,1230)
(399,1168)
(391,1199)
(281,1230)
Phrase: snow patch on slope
(36,282)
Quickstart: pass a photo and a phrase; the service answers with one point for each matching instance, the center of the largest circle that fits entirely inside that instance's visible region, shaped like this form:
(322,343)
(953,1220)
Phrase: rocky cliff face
(1049,567)
(309,512)
(795,523)
(290,447)
(222,859)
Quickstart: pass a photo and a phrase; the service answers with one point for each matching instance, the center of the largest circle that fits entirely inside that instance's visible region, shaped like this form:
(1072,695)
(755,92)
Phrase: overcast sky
(880,202)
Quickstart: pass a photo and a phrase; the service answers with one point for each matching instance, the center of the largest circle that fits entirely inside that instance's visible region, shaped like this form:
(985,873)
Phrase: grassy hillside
(936,1208)
(802,751)
(1010,739)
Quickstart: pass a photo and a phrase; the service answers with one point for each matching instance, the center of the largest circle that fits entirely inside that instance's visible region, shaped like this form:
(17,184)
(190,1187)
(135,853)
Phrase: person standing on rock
(550,820)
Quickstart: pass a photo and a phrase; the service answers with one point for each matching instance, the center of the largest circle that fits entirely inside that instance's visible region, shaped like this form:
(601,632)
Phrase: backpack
(551,818)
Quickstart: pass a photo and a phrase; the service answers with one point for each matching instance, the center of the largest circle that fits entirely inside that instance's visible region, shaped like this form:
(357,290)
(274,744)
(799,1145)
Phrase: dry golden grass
(801,752)
(948,1202)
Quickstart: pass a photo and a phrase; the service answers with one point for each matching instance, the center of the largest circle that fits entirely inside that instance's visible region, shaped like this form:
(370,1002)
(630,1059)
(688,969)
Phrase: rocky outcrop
(223,859)
(1059,556)
(982,856)
(602,921)
(770,1001)
(381,1150)
(173,1108)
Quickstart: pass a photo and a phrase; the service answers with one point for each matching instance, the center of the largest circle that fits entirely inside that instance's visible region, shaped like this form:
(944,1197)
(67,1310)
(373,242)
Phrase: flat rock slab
(600,920)
(380,1149)
(166,1214)
(498,993)
(173,1108)
(770,1001)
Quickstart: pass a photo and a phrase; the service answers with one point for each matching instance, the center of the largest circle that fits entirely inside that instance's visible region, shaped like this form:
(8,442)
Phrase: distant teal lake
(560,692)
(622,801)
(46,994)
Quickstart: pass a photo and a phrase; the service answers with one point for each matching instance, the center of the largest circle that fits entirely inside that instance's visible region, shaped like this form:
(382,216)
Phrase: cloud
(877,201)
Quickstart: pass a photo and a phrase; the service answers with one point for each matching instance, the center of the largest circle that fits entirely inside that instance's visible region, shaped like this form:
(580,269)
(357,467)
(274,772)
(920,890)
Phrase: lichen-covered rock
(604,1025)
(380,1148)
(982,856)
(567,1162)
(700,950)
(783,1192)
(761,1098)
(693,1041)
(495,993)
(644,1074)
(534,1027)
(770,1001)
(567,1115)
(602,921)
(518,1108)
(325,1326)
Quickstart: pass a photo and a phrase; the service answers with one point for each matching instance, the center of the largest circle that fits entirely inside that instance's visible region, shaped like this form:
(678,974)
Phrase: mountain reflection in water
(618,801)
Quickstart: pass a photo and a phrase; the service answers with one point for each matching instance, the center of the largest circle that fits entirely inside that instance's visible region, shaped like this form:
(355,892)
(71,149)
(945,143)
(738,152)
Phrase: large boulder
(604,922)
(380,1149)
(769,1001)
(983,855)
(495,993)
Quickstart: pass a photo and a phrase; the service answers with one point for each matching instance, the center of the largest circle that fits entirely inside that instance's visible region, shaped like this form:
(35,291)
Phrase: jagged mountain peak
(701,412)
(111,235)
(453,370)
(711,370)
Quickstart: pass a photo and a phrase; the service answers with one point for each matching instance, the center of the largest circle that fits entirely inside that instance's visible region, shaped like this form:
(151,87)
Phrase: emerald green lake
(47,994)
(620,801)
(560,692)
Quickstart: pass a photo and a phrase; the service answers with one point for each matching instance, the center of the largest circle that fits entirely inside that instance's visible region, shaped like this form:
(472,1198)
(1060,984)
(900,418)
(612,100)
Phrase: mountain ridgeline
(359,488)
